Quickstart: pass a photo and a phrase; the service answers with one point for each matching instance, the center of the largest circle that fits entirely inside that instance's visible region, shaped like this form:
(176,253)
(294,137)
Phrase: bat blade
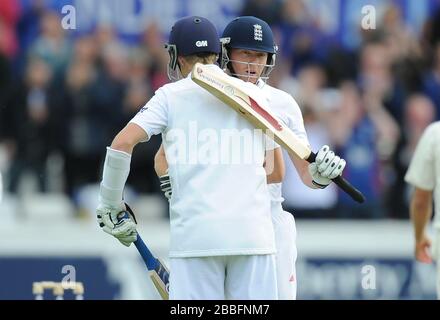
(249,103)
(246,99)
(157,269)
(160,279)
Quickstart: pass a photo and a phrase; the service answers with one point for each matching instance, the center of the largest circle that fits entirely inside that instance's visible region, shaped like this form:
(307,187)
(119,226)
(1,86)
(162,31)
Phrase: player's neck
(187,68)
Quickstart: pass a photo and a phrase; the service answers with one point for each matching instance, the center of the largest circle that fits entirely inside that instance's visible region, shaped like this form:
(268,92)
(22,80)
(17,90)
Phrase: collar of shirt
(260,83)
(208,65)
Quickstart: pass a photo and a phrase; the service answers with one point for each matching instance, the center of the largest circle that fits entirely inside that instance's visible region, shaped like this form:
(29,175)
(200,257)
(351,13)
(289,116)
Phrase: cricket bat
(157,269)
(247,100)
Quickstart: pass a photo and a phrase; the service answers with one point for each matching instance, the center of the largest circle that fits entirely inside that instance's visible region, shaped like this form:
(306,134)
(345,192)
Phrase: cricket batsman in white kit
(248,53)
(424,174)
(222,242)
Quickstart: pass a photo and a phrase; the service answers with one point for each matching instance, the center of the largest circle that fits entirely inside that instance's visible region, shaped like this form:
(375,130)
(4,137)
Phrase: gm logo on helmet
(202,43)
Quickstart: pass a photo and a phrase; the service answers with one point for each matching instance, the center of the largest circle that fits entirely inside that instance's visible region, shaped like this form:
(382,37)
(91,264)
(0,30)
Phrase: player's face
(251,66)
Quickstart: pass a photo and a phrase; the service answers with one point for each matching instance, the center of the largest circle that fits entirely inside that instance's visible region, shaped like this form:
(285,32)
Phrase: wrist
(319,185)
(419,237)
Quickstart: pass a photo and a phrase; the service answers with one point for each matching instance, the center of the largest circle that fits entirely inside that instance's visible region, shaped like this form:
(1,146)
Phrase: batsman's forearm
(420,212)
(302,169)
(117,164)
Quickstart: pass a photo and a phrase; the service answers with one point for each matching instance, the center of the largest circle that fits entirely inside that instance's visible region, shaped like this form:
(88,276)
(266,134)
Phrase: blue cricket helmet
(192,35)
(250,33)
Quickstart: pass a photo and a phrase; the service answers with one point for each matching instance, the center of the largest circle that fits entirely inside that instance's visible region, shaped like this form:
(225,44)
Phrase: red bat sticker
(274,122)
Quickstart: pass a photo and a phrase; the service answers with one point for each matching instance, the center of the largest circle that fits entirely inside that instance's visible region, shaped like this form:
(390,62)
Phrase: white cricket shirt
(287,110)
(220,203)
(424,169)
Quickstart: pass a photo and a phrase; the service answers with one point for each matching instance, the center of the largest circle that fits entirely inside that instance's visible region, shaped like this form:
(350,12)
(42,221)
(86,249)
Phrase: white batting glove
(165,185)
(326,167)
(112,221)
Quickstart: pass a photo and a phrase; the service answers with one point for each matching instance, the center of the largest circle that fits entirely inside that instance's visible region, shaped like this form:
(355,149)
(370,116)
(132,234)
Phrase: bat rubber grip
(354,193)
(150,261)
(342,183)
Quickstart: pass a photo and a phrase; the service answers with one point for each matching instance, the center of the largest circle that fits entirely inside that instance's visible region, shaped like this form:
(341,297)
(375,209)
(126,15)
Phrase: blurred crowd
(68,96)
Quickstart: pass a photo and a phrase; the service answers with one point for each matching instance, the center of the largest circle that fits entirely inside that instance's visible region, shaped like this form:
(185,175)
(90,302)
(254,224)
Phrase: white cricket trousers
(241,277)
(285,241)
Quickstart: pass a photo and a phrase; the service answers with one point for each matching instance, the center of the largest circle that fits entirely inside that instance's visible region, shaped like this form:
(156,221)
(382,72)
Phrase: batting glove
(165,185)
(326,167)
(117,222)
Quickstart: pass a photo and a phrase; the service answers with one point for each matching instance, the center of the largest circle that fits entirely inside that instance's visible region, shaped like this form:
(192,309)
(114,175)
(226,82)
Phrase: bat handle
(147,256)
(354,193)
(155,267)
(150,261)
(342,183)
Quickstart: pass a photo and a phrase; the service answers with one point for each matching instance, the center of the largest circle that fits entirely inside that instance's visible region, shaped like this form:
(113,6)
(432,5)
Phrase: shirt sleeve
(295,121)
(421,170)
(153,117)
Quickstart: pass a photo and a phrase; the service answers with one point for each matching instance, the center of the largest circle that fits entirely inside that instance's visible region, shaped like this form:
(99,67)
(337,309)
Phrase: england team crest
(258,32)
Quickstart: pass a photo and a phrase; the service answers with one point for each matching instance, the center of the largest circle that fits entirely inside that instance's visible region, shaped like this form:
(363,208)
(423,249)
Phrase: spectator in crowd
(358,128)
(404,50)
(5,113)
(302,42)
(431,80)
(89,110)
(29,107)
(9,16)
(52,45)
(419,113)
(28,25)
(5,73)
(431,32)
(398,36)
(308,90)
(28,29)
(105,36)
(152,45)
(6,138)
(70,92)
(302,201)
(376,77)
(139,90)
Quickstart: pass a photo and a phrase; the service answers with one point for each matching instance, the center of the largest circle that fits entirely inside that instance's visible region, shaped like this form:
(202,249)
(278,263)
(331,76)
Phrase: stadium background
(65,93)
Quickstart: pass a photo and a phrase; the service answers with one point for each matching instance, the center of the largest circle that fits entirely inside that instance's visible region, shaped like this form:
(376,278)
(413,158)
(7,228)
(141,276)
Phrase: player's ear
(181,62)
